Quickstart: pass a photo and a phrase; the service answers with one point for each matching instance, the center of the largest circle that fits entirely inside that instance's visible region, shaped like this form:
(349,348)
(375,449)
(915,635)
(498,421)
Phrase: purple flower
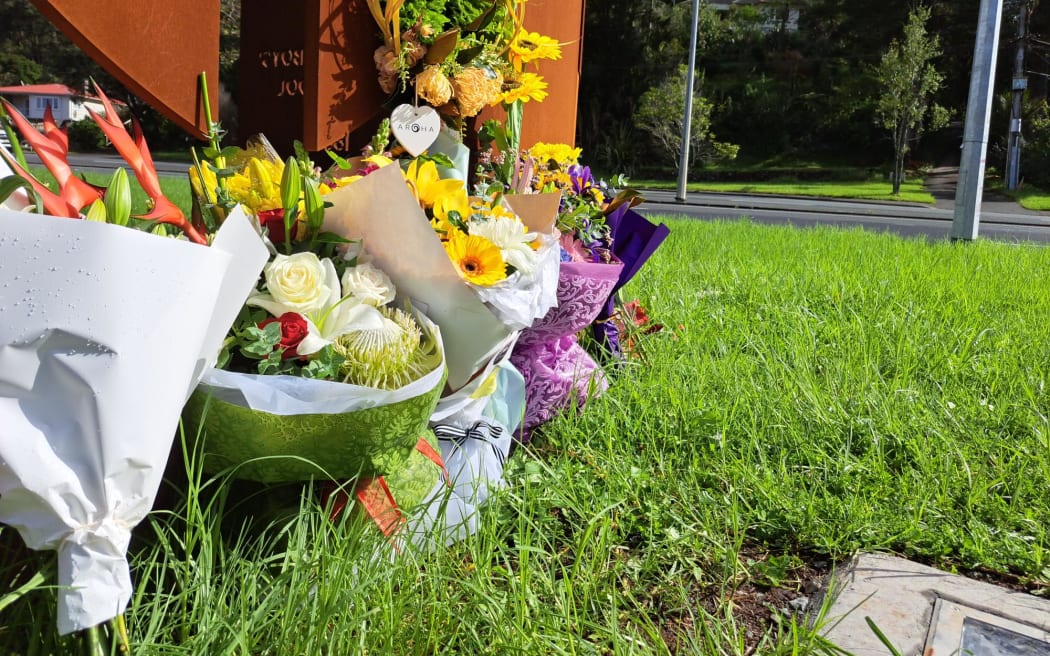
(581,178)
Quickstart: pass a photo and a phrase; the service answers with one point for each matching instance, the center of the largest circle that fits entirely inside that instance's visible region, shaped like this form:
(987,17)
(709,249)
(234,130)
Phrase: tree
(909,80)
(661,111)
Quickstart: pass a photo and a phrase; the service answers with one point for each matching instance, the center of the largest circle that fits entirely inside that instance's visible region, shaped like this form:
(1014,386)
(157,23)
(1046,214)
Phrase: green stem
(93,642)
(12,137)
(213,134)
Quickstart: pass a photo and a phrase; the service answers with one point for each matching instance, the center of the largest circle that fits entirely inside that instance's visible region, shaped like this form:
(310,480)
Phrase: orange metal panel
(554,119)
(156,49)
(341,91)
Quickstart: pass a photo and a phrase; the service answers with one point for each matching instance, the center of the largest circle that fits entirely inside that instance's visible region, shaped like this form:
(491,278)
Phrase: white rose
(510,236)
(368,284)
(297,283)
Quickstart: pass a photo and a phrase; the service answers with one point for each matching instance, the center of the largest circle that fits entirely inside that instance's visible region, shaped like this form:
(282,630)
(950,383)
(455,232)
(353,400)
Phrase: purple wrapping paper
(635,239)
(557,370)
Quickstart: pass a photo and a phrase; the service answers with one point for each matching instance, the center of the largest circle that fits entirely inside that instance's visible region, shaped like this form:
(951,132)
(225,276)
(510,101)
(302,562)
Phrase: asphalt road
(902,219)
(1002,223)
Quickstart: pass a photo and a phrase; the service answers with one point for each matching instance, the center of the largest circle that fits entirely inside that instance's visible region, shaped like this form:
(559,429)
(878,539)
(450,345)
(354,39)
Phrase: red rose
(293,330)
(273,221)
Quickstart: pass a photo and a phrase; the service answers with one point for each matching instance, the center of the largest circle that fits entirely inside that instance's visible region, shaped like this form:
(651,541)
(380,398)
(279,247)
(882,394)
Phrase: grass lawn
(1032,198)
(176,188)
(912,191)
(813,393)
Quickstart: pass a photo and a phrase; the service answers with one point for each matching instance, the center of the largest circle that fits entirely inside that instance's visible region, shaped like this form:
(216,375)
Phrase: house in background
(777,14)
(67,104)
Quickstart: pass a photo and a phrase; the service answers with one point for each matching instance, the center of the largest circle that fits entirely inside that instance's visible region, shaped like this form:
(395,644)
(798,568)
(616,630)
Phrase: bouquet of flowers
(106,332)
(459,56)
(557,369)
(482,268)
(326,371)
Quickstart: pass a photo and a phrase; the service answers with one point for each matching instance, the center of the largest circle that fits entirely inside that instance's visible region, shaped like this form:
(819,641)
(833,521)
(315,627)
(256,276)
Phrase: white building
(777,13)
(66,103)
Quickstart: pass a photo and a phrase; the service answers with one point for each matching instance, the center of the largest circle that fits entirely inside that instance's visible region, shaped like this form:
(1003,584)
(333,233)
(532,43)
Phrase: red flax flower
(137,155)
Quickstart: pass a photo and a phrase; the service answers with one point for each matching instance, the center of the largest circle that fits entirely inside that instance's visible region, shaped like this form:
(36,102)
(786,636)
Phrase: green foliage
(85,136)
(909,80)
(1035,157)
(661,112)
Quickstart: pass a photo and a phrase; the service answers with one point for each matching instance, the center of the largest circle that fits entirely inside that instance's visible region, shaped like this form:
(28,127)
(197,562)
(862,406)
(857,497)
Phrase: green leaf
(482,21)
(441,159)
(324,365)
(467,55)
(341,162)
(12,183)
(260,342)
(331,237)
(443,46)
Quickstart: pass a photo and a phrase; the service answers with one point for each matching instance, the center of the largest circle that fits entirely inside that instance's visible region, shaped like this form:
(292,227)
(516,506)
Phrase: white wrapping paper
(104,332)
(520,300)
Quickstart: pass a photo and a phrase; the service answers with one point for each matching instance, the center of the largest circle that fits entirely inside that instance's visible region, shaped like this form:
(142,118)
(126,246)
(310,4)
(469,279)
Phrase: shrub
(85,136)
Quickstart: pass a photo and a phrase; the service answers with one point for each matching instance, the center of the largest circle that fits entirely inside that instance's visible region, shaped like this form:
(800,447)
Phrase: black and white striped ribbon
(480,430)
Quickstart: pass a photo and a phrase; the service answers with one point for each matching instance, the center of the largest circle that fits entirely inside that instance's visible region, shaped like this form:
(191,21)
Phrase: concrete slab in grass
(922,610)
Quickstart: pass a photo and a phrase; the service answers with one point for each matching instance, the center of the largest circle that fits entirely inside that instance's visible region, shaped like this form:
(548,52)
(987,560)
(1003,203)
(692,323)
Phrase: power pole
(687,120)
(966,222)
(1020,83)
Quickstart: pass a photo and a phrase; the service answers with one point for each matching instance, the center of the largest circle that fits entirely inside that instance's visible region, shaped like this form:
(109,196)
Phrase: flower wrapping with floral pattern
(556,368)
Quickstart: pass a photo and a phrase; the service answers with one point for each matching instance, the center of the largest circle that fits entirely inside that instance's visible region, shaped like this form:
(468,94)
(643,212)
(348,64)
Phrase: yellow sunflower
(530,46)
(477,259)
(528,86)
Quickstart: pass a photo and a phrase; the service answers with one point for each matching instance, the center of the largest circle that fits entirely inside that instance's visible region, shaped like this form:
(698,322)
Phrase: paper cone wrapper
(381,210)
(105,333)
(538,212)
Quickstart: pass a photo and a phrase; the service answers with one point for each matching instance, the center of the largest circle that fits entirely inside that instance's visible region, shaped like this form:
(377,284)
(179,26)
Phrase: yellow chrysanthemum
(527,86)
(530,46)
(477,259)
(563,154)
(427,185)
(474,88)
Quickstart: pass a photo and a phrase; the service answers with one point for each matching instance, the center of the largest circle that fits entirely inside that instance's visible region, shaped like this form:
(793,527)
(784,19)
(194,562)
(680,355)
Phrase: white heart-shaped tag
(415,128)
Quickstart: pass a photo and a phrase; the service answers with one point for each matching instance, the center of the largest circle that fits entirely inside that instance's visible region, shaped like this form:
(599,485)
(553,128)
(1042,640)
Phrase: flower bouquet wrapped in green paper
(326,373)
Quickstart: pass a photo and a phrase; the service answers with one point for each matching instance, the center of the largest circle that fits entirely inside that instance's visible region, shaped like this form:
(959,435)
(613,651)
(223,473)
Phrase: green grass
(912,191)
(176,188)
(1030,197)
(813,393)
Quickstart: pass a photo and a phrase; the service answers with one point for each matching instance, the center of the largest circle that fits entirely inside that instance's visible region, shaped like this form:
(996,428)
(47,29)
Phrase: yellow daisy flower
(477,259)
(530,46)
(528,86)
